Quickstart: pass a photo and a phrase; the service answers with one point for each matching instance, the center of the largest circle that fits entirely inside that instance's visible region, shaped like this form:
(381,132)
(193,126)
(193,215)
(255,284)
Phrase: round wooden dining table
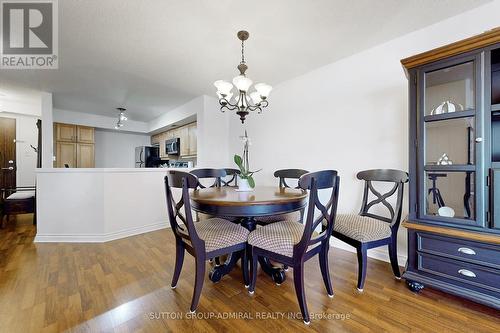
(245,207)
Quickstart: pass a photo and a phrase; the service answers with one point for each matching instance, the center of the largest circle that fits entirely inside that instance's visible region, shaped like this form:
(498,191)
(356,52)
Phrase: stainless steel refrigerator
(147,156)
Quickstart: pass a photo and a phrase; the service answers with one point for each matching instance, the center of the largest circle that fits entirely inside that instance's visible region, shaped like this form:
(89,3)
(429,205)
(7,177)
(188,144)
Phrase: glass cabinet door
(450,149)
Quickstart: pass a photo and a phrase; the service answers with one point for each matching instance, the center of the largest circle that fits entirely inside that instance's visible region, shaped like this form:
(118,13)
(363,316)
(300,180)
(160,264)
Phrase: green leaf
(252,172)
(251,181)
(238,160)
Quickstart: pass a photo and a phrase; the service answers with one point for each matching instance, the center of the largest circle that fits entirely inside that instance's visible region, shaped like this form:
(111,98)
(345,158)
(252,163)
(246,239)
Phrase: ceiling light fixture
(121,117)
(243,102)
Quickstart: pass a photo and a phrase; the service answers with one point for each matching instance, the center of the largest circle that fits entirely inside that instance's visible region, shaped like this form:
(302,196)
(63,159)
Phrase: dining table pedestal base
(219,270)
(277,273)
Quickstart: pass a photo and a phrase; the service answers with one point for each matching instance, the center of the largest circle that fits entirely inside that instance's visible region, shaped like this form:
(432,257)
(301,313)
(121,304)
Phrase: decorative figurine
(444,160)
(447,107)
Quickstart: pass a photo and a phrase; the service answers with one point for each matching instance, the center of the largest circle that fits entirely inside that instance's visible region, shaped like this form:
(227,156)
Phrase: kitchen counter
(99,205)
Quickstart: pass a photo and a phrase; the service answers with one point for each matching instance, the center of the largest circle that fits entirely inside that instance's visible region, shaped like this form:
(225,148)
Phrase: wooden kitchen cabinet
(162,138)
(66,154)
(188,139)
(65,132)
(155,139)
(170,134)
(85,134)
(85,155)
(193,144)
(184,139)
(74,146)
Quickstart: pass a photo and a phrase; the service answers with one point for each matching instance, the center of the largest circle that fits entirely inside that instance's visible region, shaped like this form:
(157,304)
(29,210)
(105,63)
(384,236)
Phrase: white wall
(47,130)
(212,134)
(184,111)
(349,115)
(99,205)
(114,149)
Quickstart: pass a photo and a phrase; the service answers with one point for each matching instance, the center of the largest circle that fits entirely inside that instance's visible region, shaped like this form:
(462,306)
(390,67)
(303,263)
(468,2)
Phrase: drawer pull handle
(467,273)
(466,250)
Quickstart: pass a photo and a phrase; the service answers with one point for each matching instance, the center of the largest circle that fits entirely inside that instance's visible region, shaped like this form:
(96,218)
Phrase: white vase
(243,185)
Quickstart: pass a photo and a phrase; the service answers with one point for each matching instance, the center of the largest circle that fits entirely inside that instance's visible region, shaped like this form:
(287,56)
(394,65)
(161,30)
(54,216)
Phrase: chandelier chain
(242,52)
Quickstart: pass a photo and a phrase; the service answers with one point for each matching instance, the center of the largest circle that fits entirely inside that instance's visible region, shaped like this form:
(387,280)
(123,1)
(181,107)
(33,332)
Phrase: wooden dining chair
(203,240)
(19,200)
(292,243)
(208,173)
(215,175)
(284,175)
(231,178)
(369,230)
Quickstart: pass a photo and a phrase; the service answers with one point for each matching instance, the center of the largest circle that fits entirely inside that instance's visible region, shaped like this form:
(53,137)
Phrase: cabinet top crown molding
(487,38)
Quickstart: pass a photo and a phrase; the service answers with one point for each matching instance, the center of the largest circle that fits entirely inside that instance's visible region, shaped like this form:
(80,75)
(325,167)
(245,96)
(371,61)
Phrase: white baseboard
(100,238)
(380,253)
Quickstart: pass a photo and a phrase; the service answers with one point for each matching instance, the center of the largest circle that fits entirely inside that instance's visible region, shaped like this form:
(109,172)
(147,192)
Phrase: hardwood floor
(123,286)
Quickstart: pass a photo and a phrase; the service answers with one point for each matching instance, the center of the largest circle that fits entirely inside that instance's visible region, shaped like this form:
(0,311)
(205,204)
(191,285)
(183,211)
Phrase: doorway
(7,153)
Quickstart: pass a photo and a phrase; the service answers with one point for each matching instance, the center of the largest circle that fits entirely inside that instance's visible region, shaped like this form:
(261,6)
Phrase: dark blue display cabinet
(454,163)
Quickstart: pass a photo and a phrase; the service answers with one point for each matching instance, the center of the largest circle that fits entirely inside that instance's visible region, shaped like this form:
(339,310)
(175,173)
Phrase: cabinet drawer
(479,276)
(478,253)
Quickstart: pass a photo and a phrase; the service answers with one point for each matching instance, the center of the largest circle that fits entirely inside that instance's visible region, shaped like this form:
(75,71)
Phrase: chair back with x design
(215,174)
(231,178)
(180,211)
(285,174)
(314,181)
(397,177)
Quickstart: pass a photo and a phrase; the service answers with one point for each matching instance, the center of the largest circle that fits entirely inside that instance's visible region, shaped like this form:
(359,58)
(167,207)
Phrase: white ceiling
(153,55)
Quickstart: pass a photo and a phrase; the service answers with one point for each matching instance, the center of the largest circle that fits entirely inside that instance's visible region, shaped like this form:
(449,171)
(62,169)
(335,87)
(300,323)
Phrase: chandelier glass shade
(244,101)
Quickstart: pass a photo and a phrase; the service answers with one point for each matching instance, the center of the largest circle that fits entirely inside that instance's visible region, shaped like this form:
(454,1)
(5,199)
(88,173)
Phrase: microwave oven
(172,146)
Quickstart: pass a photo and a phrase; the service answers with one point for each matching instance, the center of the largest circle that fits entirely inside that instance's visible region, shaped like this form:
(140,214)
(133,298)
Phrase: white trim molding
(100,238)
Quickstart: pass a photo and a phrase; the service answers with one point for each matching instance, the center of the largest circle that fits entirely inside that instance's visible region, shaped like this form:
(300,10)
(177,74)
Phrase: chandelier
(243,102)
(121,118)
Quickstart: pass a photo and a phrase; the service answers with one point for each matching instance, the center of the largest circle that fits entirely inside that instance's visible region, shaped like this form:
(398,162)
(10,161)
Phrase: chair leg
(393,255)
(253,270)
(179,260)
(298,280)
(244,264)
(362,254)
(198,284)
(325,270)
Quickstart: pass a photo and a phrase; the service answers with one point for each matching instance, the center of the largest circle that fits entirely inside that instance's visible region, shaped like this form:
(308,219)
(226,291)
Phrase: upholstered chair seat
(218,233)
(362,228)
(21,195)
(278,237)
